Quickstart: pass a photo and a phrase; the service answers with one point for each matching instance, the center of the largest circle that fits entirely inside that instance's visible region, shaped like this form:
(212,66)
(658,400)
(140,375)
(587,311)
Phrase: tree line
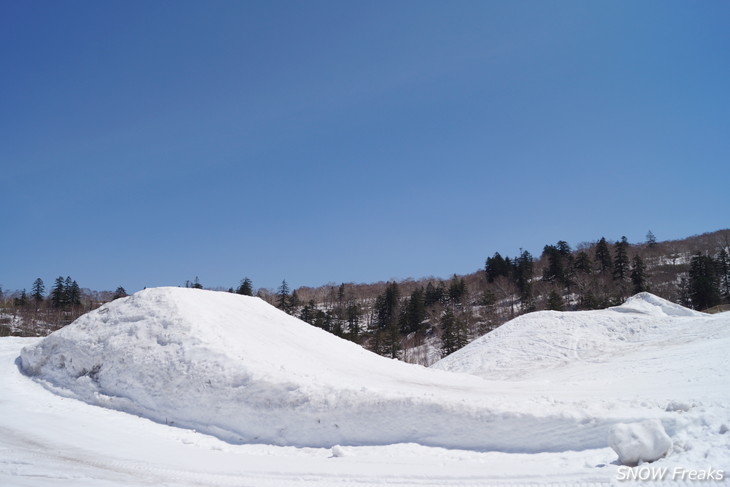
(403,319)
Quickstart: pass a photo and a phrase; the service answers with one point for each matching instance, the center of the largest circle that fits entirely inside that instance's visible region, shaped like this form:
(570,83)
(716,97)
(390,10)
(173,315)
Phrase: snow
(639,442)
(227,390)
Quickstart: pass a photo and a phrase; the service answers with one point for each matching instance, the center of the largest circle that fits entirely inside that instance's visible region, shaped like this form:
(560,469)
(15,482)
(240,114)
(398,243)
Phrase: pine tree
(246,287)
(522,275)
(22,300)
(583,263)
(433,294)
(58,293)
(704,283)
(74,294)
(307,313)
(66,291)
(497,266)
(621,260)
(353,321)
(650,240)
(386,333)
(638,275)
(457,290)
(293,302)
(603,256)
(38,289)
(413,312)
(453,333)
(560,263)
(448,333)
(282,297)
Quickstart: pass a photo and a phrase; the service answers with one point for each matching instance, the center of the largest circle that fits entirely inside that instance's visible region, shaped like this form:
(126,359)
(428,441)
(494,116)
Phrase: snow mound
(647,339)
(650,304)
(237,368)
(639,442)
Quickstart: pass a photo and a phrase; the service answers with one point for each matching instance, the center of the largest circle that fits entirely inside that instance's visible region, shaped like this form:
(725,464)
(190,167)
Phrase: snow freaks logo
(677,473)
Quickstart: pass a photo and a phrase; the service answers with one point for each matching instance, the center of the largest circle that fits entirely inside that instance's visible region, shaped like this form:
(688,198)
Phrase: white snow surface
(243,394)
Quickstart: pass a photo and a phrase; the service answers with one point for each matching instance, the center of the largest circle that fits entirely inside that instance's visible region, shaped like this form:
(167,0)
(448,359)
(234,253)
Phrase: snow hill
(242,370)
(647,344)
(548,388)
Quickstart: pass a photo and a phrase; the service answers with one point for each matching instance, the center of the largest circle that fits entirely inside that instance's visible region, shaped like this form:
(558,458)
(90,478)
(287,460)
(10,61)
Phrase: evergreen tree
(196,284)
(497,266)
(434,294)
(341,293)
(453,333)
(621,261)
(650,240)
(583,263)
(353,321)
(282,297)
(430,296)
(246,287)
(560,263)
(38,289)
(74,294)
(66,291)
(22,300)
(323,320)
(457,290)
(414,312)
(293,302)
(386,336)
(638,275)
(603,256)
(307,313)
(704,283)
(522,274)
(58,293)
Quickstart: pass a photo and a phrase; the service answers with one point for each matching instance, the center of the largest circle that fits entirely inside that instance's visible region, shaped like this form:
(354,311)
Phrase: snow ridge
(240,369)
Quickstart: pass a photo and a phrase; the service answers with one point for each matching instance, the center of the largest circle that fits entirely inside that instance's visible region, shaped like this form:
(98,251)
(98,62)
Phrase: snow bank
(650,304)
(538,345)
(639,442)
(235,367)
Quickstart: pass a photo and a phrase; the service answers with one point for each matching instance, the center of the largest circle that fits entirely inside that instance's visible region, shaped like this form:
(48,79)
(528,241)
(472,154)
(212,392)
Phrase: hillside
(408,319)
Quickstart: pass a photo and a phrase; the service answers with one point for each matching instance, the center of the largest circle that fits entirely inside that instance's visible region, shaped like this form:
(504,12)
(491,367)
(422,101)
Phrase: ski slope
(207,388)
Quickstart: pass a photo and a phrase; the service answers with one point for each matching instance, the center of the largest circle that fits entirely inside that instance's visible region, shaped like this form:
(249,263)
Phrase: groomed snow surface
(208,388)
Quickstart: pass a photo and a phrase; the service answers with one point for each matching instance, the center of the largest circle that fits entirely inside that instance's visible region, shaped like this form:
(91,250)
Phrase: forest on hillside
(419,320)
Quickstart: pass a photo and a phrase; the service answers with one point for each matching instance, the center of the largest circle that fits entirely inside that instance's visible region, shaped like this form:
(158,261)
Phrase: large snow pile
(612,344)
(240,369)
(246,372)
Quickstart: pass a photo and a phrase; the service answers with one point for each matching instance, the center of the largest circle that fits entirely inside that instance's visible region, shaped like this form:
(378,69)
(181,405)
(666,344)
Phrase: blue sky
(143,143)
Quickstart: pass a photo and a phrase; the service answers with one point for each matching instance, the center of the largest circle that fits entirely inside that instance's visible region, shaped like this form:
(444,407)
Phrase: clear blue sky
(143,143)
